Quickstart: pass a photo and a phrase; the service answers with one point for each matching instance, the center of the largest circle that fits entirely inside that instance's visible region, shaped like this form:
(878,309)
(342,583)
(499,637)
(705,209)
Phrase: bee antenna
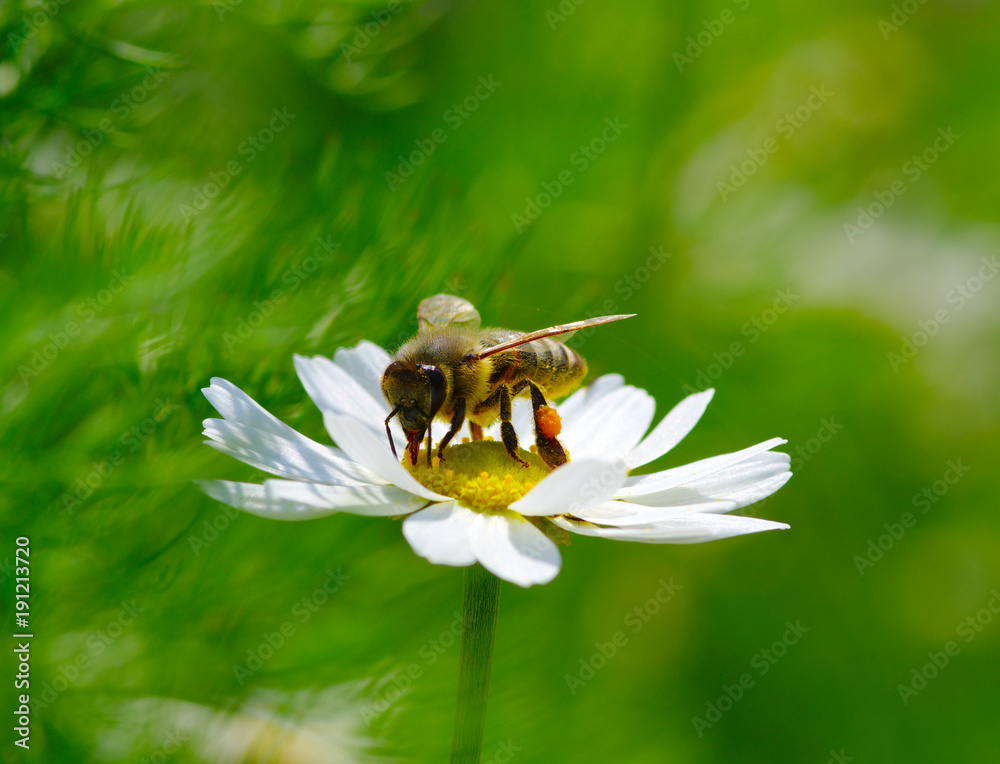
(428,442)
(388,432)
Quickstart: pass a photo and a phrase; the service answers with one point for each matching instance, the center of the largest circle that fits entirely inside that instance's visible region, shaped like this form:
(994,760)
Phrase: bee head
(416,392)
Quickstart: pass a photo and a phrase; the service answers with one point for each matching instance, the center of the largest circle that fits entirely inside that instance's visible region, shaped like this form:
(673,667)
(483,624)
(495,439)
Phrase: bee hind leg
(456,424)
(507,432)
(547,426)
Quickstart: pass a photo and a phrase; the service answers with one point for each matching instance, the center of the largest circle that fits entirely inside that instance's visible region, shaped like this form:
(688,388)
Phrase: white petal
(254,461)
(440,534)
(671,430)
(301,458)
(574,487)
(514,550)
(364,447)
(237,406)
(694,528)
(743,483)
(365,364)
(661,481)
(253,435)
(582,399)
(611,425)
(370,500)
(622,514)
(523,418)
(333,389)
(259,500)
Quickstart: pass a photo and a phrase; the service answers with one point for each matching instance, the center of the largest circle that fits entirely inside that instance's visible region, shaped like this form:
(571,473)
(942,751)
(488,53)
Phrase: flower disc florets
(480,474)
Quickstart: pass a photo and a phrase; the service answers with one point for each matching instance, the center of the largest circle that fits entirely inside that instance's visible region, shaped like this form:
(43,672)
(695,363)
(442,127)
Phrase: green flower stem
(480,606)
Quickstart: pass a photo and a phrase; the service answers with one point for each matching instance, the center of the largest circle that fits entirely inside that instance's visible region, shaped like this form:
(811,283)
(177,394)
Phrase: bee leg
(547,426)
(456,424)
(476,430)
(507,432)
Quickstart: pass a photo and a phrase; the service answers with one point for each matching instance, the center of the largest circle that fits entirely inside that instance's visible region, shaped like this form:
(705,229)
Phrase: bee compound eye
(438,388)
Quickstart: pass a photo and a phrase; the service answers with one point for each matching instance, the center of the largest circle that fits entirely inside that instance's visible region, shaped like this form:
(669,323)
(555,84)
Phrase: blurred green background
(790,195)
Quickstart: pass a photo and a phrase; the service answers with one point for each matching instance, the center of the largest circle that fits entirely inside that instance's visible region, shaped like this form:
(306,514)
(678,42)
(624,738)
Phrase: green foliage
(199,190)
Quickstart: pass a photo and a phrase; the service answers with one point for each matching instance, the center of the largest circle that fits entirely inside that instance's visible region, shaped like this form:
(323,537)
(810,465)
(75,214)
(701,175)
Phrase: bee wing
(552,331)
(446,310)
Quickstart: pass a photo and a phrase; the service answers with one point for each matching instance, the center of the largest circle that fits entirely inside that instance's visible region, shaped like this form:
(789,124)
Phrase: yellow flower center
(480,474)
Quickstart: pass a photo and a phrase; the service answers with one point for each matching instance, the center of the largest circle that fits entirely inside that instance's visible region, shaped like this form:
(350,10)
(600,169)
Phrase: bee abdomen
(557,367)
(553,366)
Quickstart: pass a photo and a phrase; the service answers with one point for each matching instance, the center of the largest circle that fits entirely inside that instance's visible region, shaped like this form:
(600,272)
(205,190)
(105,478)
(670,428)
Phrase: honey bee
(455,370)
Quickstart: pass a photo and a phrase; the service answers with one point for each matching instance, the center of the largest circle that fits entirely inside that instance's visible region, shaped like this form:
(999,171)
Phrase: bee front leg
(456,424)
(547,426)
(476,430)
(507,428)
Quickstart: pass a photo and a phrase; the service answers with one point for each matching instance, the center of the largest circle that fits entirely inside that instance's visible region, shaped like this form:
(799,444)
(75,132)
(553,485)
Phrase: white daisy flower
(478,505)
